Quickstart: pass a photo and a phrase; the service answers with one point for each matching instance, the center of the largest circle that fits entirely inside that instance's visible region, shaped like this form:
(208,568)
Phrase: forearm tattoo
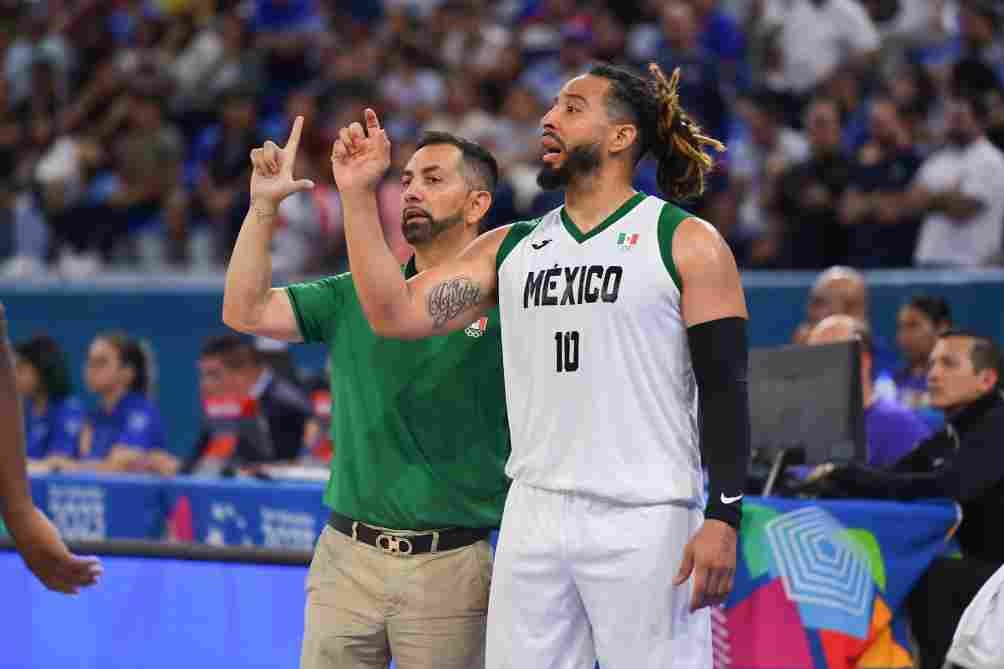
(263,213)
(450,298)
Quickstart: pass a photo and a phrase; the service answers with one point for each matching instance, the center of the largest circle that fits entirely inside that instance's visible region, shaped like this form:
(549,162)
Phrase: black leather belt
(394,543)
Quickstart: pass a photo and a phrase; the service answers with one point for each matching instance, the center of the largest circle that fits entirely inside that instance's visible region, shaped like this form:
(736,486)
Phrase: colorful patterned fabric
(828,580)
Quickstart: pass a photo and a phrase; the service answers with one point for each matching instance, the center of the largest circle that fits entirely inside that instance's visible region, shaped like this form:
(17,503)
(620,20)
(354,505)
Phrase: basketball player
(621,314)
(34,536)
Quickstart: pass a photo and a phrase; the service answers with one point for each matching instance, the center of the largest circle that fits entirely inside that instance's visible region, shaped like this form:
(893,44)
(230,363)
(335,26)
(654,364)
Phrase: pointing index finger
(294,136)
(371,119)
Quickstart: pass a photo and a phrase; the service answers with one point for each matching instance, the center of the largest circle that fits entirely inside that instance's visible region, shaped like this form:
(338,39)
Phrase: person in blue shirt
(53,416)
(125,432)
(919,323)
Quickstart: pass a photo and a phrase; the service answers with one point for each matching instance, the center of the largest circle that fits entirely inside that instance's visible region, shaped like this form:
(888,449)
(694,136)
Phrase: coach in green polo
(403,567)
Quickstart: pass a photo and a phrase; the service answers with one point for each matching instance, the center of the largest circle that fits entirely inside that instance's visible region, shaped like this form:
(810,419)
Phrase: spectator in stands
(24,236)
(721,35)
(136,206)
(756,162)
(846,87)
(11,132)
(838,290)
(962,462)
(37,113)
(974,78)
(149,200)
(881,234)
(905,25)
(287,31)
(891,429)
(217,61)
(35,537)
(351,70)
(913,90)
(125,432)
(813,37)
(413,91)
(919,323)
(960,193)
(701,83)
(34,43)
(230,365)
(843,291)
(978,37)
(545,77)
(220,194)
(805,205)
(53,416)
(473,42)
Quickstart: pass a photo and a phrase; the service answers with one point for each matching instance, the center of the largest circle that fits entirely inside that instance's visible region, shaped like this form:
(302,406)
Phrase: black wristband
(719,352)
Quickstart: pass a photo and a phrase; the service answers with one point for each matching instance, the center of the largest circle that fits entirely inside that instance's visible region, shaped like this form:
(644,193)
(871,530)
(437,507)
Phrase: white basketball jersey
(600,392)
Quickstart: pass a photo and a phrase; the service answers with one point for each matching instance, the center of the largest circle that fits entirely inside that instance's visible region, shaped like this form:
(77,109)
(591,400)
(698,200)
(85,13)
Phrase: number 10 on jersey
(566,345)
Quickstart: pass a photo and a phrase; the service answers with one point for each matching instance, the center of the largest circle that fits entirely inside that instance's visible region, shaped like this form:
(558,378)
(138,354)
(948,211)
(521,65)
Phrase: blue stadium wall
(176,315)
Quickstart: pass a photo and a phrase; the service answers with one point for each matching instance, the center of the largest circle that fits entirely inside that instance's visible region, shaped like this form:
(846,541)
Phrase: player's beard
(419,230)
(580,162)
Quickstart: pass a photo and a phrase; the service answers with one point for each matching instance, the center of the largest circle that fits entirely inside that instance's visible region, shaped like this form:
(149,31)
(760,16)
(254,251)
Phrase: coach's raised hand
(360,158)
(272,169)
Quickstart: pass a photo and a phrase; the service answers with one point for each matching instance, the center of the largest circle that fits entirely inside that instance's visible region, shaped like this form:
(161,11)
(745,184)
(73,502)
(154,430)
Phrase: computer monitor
(806,401)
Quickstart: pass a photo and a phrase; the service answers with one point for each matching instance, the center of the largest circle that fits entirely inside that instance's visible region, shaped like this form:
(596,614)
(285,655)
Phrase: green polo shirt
(419,427)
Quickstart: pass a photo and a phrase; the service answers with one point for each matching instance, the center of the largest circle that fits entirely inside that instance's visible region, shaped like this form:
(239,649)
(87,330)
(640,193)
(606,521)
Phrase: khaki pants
(365,606)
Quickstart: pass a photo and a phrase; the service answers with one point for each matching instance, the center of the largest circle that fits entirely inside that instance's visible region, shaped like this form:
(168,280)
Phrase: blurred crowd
(859,132)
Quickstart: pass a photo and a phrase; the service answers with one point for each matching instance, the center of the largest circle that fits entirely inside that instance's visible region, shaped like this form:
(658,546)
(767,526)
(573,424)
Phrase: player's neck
(592,200)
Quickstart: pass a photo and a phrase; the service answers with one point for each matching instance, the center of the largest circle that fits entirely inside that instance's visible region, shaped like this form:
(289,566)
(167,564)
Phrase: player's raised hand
(361,156)
(710,556)
(272,169)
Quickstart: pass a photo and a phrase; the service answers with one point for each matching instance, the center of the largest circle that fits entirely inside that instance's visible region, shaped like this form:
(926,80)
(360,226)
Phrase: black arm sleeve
(719,351)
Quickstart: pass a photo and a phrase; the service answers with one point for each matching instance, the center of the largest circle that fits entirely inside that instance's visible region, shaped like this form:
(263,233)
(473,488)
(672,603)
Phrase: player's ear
(623,137)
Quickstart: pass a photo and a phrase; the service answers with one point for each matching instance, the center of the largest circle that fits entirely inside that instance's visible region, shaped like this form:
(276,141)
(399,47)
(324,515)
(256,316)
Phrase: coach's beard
(418,226)
(579,162)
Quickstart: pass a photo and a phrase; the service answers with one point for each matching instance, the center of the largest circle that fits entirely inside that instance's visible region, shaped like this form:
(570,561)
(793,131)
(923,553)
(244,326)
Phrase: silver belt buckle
(393,545)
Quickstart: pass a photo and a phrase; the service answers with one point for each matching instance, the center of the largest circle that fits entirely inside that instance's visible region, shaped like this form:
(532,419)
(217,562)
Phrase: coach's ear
(477,206)
(623,136)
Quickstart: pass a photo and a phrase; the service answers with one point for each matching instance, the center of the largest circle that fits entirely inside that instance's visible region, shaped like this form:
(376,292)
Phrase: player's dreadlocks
(665,129)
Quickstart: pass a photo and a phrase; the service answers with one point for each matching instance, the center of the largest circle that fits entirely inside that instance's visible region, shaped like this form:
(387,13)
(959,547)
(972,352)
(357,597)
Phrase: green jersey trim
(669,220)
(517,231)
(621,212)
